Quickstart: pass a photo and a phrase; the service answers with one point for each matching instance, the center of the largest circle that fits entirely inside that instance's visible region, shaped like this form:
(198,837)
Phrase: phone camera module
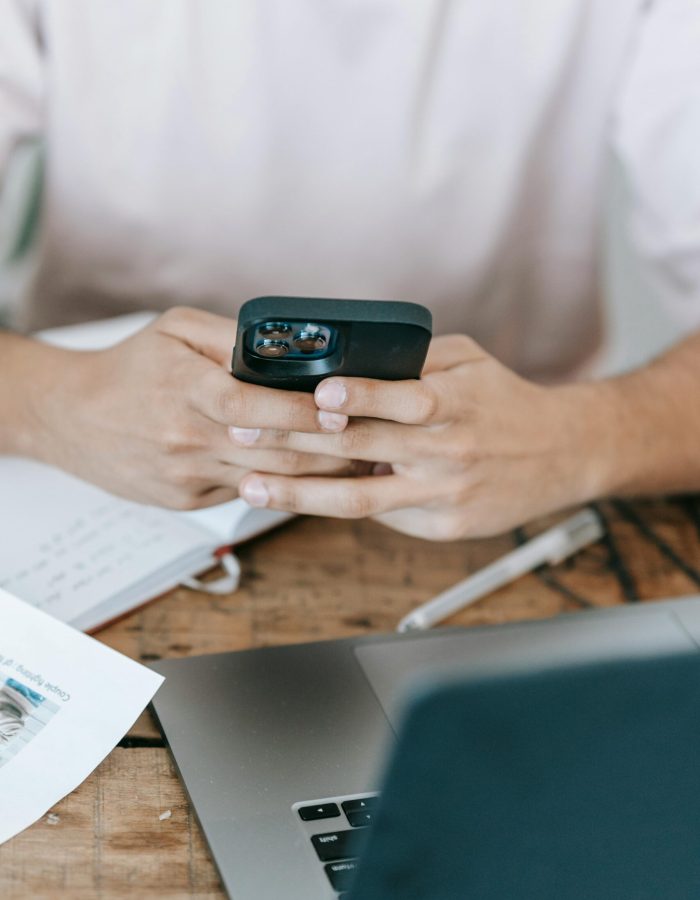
(275,330)
(272,349)
(290,340)
(310,339)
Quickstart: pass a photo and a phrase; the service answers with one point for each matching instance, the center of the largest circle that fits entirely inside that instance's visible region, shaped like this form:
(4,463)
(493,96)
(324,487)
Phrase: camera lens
(309,339)
(272,349)
(275,330)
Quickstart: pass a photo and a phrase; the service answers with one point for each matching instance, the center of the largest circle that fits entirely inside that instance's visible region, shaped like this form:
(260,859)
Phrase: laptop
(544,759)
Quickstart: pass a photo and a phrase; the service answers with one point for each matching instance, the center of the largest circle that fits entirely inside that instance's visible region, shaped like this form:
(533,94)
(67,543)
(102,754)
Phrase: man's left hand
(469,450)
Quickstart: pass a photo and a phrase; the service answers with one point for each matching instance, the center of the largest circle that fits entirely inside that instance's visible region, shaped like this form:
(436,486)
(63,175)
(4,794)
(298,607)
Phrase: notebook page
(68,547)
(235,521)
(96,335)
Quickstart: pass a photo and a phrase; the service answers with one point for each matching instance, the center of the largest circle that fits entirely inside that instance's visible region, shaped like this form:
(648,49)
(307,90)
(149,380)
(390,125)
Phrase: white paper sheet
(65,702)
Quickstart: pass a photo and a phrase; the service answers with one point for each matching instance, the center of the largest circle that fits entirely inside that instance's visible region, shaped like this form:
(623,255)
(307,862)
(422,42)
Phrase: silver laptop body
(264,737)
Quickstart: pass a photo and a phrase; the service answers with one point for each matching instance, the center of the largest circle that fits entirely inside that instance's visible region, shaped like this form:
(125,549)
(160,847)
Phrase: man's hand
(469,450)
(152,418)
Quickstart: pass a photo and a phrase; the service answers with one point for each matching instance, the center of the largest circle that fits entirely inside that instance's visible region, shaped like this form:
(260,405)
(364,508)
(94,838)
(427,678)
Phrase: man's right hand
(151,418)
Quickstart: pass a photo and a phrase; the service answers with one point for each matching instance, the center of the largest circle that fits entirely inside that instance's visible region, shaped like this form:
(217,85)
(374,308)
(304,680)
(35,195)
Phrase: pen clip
(575,533)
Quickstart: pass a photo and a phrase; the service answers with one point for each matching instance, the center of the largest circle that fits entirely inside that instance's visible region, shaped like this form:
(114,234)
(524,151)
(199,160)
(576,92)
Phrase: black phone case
(383,339)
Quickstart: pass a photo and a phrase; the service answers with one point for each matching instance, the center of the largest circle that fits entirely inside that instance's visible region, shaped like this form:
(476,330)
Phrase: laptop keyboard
(335,830)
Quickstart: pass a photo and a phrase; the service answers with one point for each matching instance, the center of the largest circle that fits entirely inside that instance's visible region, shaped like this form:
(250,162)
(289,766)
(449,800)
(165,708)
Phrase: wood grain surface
(311,580)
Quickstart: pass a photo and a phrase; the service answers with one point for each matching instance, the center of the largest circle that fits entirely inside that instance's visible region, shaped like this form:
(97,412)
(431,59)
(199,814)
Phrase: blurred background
(638,327)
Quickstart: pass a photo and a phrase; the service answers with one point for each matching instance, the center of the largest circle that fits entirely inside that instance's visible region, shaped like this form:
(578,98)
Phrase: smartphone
(294,342)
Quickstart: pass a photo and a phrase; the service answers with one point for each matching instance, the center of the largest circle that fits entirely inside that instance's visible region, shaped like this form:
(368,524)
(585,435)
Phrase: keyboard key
(354,805)
(360,817)
(335,845)
(320,811)
(341,874)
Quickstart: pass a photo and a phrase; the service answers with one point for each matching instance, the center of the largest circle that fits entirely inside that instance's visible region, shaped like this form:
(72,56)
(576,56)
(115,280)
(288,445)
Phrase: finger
(450,350)
(345,498)
(365,439)
(211,335)
(429,524)
(287,462)
(205,446)
(214,496)
(225,400)
(411,402)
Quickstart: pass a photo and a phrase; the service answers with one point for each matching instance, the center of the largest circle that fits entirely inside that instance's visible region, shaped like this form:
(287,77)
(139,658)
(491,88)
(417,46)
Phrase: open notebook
(86,556)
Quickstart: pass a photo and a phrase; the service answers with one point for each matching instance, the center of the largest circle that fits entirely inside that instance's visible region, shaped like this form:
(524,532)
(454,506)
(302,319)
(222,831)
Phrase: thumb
(211,335)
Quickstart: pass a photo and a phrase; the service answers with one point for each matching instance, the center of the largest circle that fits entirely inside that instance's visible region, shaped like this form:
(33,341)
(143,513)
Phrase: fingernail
(255,492)
(244,435)
(332,421)
(332,395)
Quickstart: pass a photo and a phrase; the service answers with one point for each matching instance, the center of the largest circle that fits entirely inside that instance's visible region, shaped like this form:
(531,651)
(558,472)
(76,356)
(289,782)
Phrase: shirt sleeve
(21,76)
(656,156)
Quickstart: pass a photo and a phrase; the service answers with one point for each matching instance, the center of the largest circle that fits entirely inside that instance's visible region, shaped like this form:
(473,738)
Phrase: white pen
(551,547)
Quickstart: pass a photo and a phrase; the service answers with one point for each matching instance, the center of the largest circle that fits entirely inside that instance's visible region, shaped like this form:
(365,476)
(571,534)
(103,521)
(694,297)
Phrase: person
(457,154)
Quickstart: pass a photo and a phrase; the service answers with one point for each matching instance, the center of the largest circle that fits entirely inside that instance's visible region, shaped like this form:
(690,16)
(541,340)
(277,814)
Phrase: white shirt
(455,154)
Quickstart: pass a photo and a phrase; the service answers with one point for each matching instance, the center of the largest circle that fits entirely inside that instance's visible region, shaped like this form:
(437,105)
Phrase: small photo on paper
(23,713)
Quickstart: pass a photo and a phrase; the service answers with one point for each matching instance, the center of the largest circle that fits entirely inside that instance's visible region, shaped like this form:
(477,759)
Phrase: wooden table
(129,832)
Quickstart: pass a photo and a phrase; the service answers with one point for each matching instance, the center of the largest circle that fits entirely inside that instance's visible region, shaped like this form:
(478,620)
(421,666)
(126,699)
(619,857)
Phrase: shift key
(335,845)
